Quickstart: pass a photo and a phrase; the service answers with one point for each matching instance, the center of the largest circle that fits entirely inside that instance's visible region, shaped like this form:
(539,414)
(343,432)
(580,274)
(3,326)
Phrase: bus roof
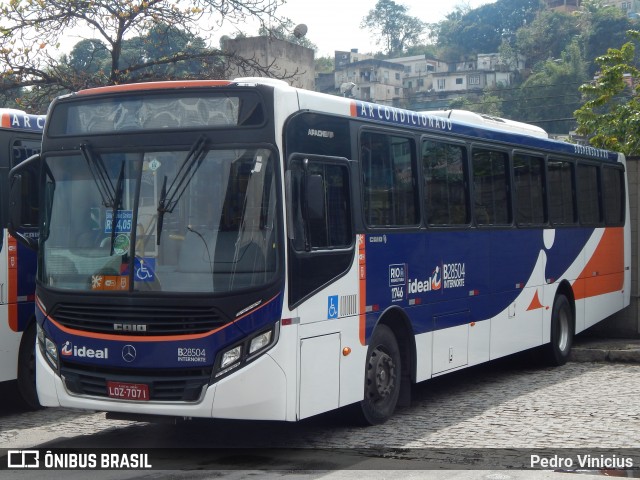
(19,120)
(456,122)
(175,84)
(136,87)
(515,135)
(491,121)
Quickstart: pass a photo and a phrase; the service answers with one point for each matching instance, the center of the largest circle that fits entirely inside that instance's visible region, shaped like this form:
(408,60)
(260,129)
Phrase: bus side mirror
(24,201)
(315,197)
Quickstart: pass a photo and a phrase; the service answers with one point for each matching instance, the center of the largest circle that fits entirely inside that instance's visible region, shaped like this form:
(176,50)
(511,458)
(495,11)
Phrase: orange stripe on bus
(6,120)
(151,338)
(132,87)
(354,109)
(604,272)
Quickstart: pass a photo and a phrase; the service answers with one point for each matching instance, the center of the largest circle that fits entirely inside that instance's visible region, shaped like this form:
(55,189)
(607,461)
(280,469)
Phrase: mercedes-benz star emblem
(128,353)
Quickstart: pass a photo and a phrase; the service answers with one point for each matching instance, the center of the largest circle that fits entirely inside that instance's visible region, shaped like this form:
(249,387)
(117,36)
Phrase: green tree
(397,30)
(546,36)
(483,29)
(549,96)
(31,31)
(602,27)
(325,64)
(161,43)
(610,116)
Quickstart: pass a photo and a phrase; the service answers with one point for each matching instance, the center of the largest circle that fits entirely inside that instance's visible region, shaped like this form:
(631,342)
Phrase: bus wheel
(562,328)
(27,367)
(382,377)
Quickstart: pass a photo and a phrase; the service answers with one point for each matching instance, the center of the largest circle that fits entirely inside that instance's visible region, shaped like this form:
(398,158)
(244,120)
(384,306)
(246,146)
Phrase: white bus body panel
(9,340)
(9,346)
(258,391)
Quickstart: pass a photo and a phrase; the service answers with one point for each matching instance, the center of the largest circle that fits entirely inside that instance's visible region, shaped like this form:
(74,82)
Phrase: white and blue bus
(20,138)
(244,249)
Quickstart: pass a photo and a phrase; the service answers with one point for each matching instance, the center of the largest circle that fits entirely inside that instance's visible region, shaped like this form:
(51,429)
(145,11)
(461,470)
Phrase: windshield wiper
(100,175)
(117,201)
(169,197)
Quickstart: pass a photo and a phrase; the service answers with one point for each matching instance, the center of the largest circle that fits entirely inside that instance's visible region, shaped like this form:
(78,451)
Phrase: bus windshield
(199,220)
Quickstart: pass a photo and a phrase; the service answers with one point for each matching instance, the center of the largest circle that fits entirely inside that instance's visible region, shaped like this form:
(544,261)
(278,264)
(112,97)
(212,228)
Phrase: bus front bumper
(257,391)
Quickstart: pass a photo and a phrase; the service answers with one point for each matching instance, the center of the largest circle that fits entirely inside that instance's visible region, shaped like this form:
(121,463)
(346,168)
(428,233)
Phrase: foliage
(483,29)
(550,94)
(134,40)
(325,64)
(546,36)
(610,116)
(602,27)
(397,30)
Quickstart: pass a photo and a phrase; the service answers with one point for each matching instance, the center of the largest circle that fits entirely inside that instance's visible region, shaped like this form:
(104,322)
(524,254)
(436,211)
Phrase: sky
(335,24)
(332,24)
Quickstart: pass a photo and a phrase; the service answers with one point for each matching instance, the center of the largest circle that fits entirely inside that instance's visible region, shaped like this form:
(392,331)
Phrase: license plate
(128,391)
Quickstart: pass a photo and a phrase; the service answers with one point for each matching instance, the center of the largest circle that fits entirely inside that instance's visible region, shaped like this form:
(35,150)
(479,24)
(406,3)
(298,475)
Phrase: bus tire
(27,367)
(562,327)
(383,373)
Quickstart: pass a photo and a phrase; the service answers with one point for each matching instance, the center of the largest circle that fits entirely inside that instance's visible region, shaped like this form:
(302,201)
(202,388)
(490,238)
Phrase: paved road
(503,405)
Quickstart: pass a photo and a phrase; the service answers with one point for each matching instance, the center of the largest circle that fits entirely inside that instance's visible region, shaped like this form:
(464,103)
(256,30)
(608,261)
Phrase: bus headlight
(231,356)
(259,342)
(245,352)
(48,349)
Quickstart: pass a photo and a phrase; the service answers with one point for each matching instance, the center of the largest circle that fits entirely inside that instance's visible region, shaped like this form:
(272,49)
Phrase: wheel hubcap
(381,374)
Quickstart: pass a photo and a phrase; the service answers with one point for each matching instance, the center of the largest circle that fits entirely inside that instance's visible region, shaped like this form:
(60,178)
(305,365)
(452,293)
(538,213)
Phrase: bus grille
(138,320)
(167,385)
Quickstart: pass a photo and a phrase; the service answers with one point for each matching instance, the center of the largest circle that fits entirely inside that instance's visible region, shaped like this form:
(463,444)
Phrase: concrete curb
(607,350)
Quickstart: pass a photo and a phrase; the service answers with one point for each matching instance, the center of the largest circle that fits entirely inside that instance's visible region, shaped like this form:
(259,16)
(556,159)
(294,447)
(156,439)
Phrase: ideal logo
(69,350)
(431,283)
(449,275)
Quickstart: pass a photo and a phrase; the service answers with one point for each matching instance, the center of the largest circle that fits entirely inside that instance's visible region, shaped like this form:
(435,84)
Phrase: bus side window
(588,197)
(333,229)
(529,189)
(389,180)
(20,151)
(613,195)
(491,187)
(445,182)
(560,181)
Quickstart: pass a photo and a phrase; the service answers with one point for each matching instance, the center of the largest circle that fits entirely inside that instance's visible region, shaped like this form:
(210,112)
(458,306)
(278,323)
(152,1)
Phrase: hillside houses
(417,81)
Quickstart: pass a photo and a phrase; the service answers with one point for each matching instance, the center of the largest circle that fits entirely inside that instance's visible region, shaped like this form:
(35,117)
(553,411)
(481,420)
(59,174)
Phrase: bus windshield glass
(198,220)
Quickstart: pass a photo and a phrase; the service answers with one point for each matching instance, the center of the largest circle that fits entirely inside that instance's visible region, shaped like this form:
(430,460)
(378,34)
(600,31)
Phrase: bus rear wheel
(562,329)
(382,378)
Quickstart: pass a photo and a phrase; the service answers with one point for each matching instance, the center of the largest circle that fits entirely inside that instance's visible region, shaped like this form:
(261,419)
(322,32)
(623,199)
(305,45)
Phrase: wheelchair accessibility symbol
(144,269)
(332,308)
